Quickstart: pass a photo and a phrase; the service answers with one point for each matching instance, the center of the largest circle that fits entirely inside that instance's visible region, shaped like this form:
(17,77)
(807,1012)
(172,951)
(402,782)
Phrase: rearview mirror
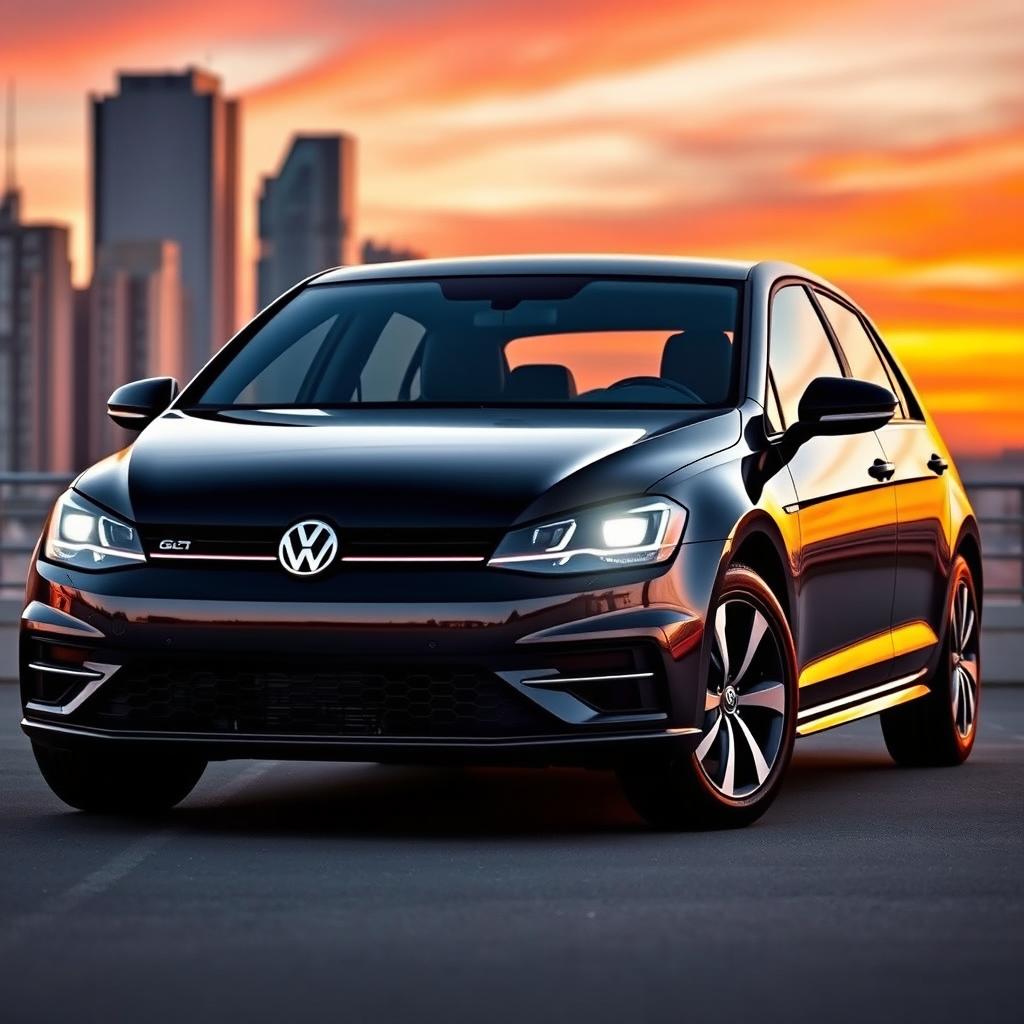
(844,405)
(134,405)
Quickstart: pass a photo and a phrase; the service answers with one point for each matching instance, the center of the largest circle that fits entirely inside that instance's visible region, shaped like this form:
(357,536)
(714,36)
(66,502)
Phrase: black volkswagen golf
(652,515)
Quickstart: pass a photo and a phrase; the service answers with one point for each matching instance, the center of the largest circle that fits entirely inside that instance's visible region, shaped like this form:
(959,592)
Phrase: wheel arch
(758,544)
(969,545)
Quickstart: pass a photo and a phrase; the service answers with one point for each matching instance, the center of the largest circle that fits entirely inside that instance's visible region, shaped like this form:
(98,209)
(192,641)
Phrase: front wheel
(117,784)
(939,729)
(749,725)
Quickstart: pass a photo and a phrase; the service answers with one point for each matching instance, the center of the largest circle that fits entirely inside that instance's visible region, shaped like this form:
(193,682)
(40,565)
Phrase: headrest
(461,372)
(700,358)
(541,382)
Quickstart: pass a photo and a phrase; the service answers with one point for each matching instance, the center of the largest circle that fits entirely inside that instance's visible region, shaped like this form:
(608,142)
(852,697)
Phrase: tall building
(83,400)
(135,327)
(307,213)
(165,165)
(36,357)
(385,252)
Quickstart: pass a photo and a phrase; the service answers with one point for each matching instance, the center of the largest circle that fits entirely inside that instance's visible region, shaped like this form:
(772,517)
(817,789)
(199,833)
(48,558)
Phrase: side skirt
(860,705)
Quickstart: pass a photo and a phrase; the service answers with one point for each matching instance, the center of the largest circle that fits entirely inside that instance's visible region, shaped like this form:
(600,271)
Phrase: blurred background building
(135,326)
(36,358)
(385,252)
(162,297)
(165,168)
(307,213)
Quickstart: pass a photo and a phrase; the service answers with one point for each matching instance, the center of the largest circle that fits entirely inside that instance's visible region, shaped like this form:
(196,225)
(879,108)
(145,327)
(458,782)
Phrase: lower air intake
(312,699)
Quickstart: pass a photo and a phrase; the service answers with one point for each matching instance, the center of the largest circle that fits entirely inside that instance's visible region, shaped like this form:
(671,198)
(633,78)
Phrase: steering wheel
(658,382)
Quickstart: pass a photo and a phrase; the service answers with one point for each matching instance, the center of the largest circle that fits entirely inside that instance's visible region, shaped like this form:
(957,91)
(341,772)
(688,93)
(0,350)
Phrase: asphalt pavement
(350,893)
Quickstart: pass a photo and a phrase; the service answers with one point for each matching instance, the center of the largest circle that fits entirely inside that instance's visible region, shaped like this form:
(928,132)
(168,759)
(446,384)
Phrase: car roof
(640,266)
(762,273)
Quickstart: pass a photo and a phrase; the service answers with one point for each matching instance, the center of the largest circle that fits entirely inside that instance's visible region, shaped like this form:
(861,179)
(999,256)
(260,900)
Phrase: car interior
(695,368)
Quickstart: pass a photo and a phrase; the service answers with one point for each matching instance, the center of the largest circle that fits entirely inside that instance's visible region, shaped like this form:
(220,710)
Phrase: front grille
(417,543)
(303,698)
(211,541)
(353,542)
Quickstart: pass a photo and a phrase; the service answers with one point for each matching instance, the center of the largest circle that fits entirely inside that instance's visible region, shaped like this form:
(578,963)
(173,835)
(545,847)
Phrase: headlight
(641,532)
(86,537)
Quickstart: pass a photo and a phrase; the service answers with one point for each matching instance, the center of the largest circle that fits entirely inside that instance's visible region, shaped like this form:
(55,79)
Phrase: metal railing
(25,498)
(999,506)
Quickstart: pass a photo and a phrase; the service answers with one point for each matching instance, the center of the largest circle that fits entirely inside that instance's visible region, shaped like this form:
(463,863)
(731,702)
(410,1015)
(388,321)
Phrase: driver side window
(799,349)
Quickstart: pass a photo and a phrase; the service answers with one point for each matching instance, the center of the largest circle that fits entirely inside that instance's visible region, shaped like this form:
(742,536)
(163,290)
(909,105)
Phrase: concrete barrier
(10,610)
(1002,644)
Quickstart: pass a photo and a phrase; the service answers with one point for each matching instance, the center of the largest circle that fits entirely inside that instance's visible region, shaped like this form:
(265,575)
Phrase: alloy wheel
(745,703)
(963,634)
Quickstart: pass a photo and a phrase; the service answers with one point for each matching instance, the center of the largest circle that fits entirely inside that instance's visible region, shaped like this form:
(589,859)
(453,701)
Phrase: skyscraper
(165,166)
(307,213)
(36,358)
(82,398)
(135,327)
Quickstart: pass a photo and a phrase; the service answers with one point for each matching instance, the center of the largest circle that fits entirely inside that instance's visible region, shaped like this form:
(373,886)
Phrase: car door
(847,518)
(920,463)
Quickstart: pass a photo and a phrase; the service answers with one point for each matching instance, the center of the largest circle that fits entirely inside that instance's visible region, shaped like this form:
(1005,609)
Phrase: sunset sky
(880,144)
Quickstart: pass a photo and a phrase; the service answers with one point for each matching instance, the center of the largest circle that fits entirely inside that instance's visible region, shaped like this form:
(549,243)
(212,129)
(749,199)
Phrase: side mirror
(843,405)
(134,405)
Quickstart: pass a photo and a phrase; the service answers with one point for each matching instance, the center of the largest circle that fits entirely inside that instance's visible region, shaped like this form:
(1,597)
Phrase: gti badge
(307,547)
(175,545)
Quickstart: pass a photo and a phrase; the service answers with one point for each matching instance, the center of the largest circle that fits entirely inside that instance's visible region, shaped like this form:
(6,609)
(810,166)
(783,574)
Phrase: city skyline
(161,298)
(879,146)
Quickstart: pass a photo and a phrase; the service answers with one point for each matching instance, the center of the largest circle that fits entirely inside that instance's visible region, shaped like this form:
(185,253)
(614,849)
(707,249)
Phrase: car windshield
(502,341)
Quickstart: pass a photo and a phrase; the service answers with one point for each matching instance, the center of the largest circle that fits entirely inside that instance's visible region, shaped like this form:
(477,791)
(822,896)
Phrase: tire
(939,729)
(117,784)
(751,702)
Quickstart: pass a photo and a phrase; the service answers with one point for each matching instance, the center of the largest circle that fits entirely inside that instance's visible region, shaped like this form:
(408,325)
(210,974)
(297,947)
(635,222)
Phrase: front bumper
(470,665)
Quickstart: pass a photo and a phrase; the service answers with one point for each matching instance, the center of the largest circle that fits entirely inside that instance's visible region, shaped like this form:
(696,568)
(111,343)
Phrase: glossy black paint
(841,405)
(135,405)
(450,467)
(850,552)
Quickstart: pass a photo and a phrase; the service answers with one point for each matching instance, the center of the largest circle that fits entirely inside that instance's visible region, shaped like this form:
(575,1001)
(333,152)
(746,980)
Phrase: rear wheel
(749,724)
(939,729)
(117,784)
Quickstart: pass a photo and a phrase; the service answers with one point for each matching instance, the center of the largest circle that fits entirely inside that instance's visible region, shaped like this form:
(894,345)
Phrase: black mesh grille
(312,699)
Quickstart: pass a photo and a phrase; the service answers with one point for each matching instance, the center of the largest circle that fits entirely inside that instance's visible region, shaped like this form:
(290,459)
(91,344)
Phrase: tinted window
(495,341)
(286,372)
(855,342)
(799,347)
(383,373)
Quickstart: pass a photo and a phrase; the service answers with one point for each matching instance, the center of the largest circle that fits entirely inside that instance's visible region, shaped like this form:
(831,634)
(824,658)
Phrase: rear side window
(799,348)
(856,343)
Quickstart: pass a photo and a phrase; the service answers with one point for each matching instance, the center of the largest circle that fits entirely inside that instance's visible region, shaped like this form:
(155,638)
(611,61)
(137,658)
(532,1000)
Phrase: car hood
(376,468)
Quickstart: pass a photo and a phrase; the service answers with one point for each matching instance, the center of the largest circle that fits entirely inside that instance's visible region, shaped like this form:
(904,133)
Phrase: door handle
(882,470)
(938,465)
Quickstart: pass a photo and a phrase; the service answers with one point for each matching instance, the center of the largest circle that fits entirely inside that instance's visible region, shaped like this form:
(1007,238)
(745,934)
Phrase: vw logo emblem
(307,547)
